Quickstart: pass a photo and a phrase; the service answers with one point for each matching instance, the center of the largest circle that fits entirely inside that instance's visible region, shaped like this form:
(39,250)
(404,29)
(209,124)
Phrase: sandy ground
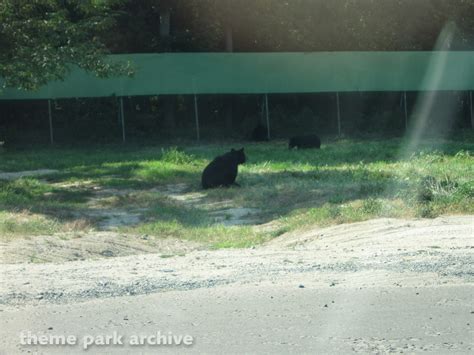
(378,286)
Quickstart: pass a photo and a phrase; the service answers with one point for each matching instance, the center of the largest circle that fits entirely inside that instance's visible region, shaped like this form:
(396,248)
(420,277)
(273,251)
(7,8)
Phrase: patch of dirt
(389,233)
(88,245)
(26,173)
(75,184)
(383,252)
(221,212)
(235,216)
(110,218)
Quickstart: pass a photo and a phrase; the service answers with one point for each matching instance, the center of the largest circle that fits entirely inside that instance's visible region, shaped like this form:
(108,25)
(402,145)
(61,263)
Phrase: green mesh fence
(253,73)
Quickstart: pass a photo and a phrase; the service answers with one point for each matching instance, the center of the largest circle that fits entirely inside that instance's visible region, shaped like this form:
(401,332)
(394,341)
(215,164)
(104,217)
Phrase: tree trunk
(165,20)
(229,39)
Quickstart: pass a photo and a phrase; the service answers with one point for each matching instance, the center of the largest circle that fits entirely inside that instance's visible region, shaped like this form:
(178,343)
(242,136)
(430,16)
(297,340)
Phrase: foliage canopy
(41,39)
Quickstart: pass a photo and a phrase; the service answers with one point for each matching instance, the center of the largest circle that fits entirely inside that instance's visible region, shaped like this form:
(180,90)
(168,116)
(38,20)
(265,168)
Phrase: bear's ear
(241,150)
(232,150)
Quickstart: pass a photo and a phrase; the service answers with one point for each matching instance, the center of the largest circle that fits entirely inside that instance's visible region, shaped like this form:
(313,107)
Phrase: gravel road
(383,285)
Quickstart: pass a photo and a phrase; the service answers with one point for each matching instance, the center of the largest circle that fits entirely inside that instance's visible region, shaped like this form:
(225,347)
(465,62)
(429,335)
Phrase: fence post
(406,109)
(472,109)
(196,116)
(267,114)
(338,114)
(50,114)
(122,118)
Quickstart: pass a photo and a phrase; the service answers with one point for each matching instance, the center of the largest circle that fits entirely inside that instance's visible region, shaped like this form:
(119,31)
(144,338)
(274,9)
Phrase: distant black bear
(222,171)
(259,133)
(309,141)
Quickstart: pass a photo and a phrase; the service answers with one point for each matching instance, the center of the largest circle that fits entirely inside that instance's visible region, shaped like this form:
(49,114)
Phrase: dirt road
(378,286)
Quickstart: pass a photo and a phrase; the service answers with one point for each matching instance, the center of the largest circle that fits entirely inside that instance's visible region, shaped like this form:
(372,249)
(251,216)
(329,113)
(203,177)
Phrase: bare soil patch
(110,218)
(387,233)
(87,245)
(222,212)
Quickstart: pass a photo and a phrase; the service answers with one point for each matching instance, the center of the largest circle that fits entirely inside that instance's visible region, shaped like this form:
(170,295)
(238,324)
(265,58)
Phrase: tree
(41,40)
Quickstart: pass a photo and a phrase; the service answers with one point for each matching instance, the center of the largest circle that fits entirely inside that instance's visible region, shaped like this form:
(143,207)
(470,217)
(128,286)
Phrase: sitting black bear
(309,141)
(222,171)
(259,133)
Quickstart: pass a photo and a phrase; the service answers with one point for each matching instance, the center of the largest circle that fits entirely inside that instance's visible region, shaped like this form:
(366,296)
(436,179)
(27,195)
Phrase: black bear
(309,141)
(222,171)
(259,133)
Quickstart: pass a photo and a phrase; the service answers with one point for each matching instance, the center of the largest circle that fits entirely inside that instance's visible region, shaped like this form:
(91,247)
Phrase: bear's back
(222,171)
(308,141)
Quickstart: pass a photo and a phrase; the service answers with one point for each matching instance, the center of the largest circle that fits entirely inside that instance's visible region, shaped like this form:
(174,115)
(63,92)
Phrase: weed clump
(429,187)
(176,156)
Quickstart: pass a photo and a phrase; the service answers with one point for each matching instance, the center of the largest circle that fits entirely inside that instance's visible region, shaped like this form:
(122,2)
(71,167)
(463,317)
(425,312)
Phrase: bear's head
(238,155)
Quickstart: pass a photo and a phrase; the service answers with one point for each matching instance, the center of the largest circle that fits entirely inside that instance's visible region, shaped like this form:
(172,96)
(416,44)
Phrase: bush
(176,156)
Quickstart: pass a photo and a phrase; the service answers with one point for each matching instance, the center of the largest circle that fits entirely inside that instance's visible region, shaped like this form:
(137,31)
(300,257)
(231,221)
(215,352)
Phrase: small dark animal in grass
(222,171)
(259,133)
(309,141)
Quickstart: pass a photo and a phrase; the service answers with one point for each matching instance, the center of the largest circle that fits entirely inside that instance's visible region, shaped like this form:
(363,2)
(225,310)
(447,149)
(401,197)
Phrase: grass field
(345,181)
